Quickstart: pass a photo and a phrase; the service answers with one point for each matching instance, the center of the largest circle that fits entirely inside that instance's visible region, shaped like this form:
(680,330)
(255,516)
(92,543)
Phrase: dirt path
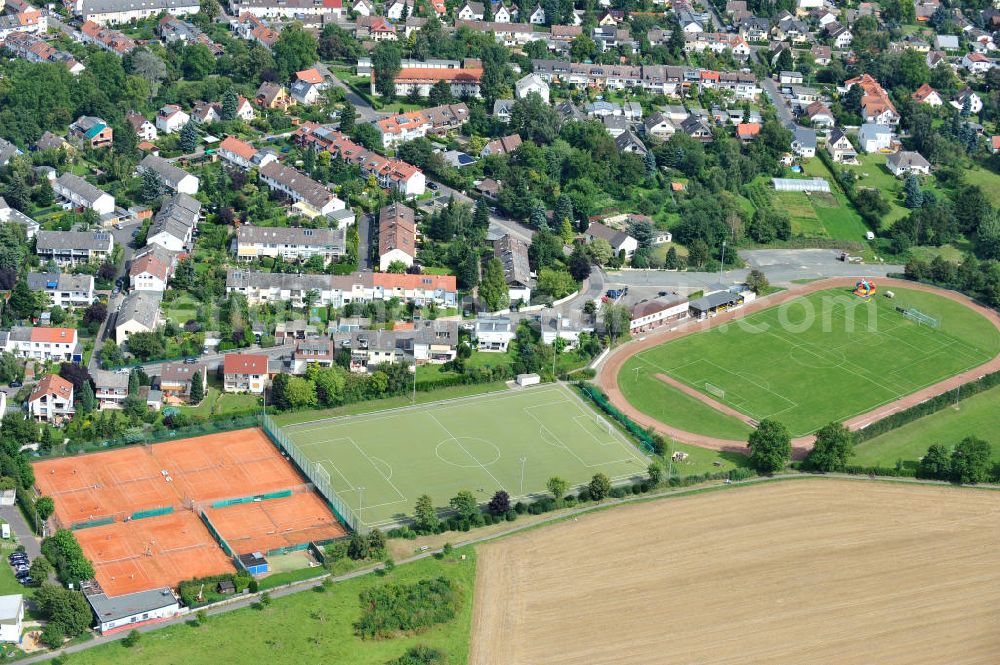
(607,377)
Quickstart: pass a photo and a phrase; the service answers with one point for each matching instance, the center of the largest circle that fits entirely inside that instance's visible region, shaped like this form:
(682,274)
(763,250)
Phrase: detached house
(244,373)
(110,389)
(873,138)
(925,94)
(840,148)
(976,63)
(621,243)
(52,400)
(171,119)
(151,269)
(176,377)
(91,132)
(139,312)
(273,96)
(513,255)
(906,162)
(143,128)
(242,154)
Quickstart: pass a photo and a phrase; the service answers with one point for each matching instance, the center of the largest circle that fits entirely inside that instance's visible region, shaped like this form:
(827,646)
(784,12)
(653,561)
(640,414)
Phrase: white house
(471,11)
(11,617)
(139,312)
(976,63)
(925,94)
(144,129)
(619,240)
(151,270)
(537,17)
(244,373)
(38,343)
(78,193)
(63,289)
(51,400)
(906,162)
(397,236)
(311,196)
(873,138)
(660,311)
(493,333)
(975,101)
(532,83)
(170,119)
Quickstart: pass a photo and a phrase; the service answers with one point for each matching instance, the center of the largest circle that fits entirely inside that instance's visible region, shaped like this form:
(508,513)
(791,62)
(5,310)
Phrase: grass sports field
(844,572)
(825,356)
(381,462)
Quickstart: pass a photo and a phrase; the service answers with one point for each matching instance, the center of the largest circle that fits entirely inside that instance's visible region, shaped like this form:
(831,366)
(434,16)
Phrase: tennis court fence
(312,470)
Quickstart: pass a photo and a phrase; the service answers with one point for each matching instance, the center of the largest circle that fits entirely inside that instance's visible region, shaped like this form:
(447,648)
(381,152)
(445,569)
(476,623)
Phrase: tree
(358,547)
(152,186)
(785,62)
(40,569)
(295,50)
(655,473)
(189,137)
(230,104)
(970,461)
(440,93)
(493,289)
(582,48)
(300,392)
(376,542)
(579,263)
(386,64)
(44,507)
(87,402)
(145,345)
(22,302)
(499,504)
(481,215)
(756,281)
(197,388)
(425,517)
(348,115)
(396,267)
(557,487)
(600,486)
(69,610)
(147,65)
(464,504)
(770,446)
(601,251)
(914,195)
(131,639)
(197,62)
(563,209)
(335,43)
(493,82)
(833,448)
(936,463)
(53,635)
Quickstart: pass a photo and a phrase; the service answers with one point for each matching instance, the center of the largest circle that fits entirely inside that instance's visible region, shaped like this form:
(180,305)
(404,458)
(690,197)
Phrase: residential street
(365,111)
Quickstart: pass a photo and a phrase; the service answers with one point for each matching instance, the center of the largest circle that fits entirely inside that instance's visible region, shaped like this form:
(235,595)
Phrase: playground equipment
(865,288)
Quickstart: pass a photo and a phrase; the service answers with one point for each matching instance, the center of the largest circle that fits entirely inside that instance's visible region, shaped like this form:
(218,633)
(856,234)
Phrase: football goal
(921,318)
(713,389)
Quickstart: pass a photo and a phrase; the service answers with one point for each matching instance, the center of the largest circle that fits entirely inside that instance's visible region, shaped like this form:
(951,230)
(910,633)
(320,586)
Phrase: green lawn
(872,172)
(987,180)
(370,406)
(513,441)
(181,309)
(304,627)
(217,402)
(826,356)
(801,213)
(839,218)
(978,415)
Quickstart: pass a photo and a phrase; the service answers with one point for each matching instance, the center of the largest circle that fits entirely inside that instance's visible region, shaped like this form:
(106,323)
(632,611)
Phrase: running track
(607,377)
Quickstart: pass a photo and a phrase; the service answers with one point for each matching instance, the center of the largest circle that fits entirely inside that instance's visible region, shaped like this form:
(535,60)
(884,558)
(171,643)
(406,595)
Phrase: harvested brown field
(805,571)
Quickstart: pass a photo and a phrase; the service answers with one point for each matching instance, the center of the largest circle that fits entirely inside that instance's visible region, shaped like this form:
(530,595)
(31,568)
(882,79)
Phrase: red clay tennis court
(120,482)
(152,552)
(268,525)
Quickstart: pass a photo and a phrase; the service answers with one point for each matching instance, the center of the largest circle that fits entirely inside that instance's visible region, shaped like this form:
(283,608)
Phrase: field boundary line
(466,451)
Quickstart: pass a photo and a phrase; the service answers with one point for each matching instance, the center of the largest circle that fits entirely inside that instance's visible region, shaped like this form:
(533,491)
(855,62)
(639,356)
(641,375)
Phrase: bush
(53,635)
(66,555)
(421,655)
(132,639)
(406,609)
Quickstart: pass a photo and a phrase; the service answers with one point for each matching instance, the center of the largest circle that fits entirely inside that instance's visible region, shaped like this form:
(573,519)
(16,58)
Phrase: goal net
(604,425)
(713,389)
(921,318)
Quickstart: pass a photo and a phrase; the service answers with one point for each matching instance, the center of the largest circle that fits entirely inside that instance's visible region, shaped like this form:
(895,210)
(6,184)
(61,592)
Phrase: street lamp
(722,265)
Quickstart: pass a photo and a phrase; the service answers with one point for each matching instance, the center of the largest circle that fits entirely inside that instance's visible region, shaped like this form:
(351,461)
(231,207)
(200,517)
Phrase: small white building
(906,162)
(171,118)
(132,609)
(873,138)
(11,617)
(529,84)
(51,400)
(619,240)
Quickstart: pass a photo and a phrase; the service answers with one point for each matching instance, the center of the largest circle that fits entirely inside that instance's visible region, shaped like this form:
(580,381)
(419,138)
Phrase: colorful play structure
(865,288)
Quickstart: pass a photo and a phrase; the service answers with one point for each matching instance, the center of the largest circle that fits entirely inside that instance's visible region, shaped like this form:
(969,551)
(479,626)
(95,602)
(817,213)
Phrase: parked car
(27,581)
(16,384)
(432,185)
(190,361)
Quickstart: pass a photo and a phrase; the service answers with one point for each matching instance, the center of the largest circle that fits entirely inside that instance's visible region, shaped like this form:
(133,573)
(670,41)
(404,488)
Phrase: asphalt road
(780,106)
(365,111)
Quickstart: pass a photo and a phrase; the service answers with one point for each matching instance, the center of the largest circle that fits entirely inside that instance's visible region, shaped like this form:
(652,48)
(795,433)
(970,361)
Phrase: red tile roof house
(175,379)
(244,373)
(52,400)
